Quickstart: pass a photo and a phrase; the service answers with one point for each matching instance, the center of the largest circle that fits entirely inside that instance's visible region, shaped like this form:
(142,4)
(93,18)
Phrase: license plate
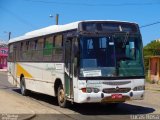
(116,96)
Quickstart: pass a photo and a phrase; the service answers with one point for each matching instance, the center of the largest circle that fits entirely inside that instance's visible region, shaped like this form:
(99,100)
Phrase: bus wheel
(61,97)
(24,91)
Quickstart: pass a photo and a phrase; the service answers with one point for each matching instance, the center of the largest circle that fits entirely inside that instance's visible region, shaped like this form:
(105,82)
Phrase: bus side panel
(40,77)
(40,87)
(53,71)
(12,74)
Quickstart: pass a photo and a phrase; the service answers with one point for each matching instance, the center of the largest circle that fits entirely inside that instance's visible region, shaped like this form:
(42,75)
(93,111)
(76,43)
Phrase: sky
(21,16)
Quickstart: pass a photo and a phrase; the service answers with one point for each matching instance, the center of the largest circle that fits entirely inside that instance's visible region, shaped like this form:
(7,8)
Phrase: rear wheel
(24,91)
(61,97)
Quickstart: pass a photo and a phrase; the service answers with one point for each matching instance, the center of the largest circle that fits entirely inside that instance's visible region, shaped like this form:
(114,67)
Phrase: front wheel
(61,97)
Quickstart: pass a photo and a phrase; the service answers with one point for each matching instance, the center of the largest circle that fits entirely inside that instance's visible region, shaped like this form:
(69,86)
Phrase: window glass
(35,45)
(40,43)
(128,55)
(58,50)
(121,56)
(32,45)
(90,44)
(27,45)
(10,55)
(102,42)
(110,27)
(22,46)
(90,27)
(42,49)
(48,49)
(58,40)
(95,61)
(18,51)
(48,42)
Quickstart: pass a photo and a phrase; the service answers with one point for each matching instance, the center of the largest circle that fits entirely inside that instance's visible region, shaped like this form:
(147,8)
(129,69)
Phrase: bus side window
(40,44)
(31,46)
(58,41)
(22,51)
(10,56)
(58,49)
(35,44)
(39,49)
(27,45)
(48,48)
(48,42)
(33,50)
(17,51)
(21,47)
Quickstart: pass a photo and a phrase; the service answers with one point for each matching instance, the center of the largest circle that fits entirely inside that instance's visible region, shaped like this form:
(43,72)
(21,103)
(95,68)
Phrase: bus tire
(61,97)
(24,91)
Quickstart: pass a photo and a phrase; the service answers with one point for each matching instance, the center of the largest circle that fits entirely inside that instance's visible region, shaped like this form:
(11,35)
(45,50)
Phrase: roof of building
(3,44)
(53,29)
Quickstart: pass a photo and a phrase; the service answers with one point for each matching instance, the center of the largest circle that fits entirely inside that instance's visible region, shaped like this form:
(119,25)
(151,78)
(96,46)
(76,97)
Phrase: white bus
(82,62)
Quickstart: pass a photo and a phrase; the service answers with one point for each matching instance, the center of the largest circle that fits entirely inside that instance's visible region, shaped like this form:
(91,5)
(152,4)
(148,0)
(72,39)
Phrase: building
(3,55)
(154,69)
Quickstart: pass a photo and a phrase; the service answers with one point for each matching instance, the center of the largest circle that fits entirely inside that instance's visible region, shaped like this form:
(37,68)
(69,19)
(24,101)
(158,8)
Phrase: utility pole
(56,18)
(9,35)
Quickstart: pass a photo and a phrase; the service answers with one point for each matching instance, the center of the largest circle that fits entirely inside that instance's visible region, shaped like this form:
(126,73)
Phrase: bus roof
(54,29)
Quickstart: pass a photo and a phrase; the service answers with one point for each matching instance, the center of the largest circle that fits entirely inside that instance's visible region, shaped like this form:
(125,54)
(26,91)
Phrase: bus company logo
(117,88)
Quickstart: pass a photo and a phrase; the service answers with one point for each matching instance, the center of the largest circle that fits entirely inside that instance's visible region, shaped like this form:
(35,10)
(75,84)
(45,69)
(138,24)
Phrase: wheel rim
(22,87)
(61,96)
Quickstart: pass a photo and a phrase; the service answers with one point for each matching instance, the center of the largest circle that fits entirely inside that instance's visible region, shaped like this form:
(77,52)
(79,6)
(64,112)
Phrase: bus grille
(114,90)
(117,83)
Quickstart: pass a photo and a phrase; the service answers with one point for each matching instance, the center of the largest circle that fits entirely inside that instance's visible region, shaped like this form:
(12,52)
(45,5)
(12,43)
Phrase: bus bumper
(107,98)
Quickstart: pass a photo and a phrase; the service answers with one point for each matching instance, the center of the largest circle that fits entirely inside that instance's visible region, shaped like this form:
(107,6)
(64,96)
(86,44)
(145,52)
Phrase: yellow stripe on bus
(21,70)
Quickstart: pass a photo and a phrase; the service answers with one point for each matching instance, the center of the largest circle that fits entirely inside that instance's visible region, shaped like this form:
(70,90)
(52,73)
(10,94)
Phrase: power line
(92,4)
(147,25)
(18,17)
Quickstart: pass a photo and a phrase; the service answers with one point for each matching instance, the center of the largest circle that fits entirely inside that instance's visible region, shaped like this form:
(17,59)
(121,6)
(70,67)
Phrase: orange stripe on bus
(21,70)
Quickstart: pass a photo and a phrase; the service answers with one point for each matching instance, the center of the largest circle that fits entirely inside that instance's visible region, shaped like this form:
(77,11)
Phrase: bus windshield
(111,56)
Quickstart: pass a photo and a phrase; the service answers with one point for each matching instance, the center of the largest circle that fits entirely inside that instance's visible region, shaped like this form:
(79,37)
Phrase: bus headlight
(96,90)
(89,90)
(139,88)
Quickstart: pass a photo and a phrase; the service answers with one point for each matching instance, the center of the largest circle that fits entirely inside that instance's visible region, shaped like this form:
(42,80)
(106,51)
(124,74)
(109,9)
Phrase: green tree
(151,49)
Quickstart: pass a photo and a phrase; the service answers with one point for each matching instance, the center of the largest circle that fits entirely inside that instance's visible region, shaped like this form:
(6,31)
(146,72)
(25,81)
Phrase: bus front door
(68,68)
